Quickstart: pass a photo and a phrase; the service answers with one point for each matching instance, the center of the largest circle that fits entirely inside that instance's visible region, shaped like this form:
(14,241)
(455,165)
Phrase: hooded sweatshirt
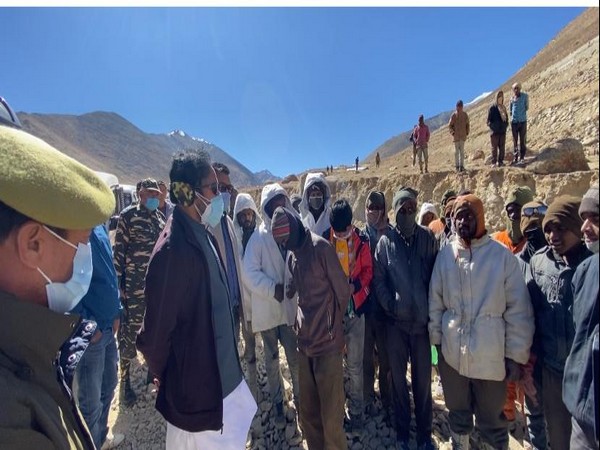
(244,201)
(425,208)
(264,266)
(322,223)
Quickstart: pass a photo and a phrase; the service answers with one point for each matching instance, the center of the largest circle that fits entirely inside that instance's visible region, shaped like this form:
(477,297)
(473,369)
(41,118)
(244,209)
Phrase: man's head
(468,217)
(421,120)
(516,87)
(447,195)
(459,105)
(226,189)
(296,199)
(500,97)
(287,230)
(278,200)
(405,210)
(316,196)
(515,201)
(149,193)
(193,183)
(164,191)
(375,209)
(588,211)
(340,218)
(48,205)
(562,224)
(532,215)
(427,214)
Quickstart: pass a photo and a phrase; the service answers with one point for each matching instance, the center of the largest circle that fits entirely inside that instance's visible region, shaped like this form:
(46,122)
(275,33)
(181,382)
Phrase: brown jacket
(36,410)
(459,126)
(323,295)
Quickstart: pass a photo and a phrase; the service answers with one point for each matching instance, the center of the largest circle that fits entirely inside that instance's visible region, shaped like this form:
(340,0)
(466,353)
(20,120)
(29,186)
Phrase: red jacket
(362,274)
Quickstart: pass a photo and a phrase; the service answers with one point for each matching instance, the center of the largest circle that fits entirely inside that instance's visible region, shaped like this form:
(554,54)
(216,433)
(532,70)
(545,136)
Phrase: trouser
(534,411)
(459,154)
(249,357)
(322,401)
(422,153)
(467,396)
(404,345)
(375,338)
(498,147)
(414,154)
(354,334)
(583,436)
(135,308)
(289,342)
(519,135)
(555,411)
(95,382)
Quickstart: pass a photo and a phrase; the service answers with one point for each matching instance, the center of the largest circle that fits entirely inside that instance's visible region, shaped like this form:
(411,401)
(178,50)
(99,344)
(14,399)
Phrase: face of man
(145,194)
(208,188)
(560,238)
(427,218)
(517,91)
(278,200)
(408,208)
(315,198)
(163,194)
(590,227)
(246,218)
(465,222)
(513,211)
(225,187)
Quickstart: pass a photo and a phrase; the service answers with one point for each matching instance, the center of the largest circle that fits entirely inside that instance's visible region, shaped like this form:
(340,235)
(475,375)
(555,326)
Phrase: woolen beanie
(565,211)
(48,186)
(403,194)
(280,225)
(474,204)
(529,223)
(520,195)
(589,202)
(449,194)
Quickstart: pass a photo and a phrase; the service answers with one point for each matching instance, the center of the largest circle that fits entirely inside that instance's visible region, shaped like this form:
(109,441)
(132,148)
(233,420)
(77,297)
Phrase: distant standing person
(497,121)
(356,164)
(377,160)
(519,104)
(421,140)
(459,129)
(414,145)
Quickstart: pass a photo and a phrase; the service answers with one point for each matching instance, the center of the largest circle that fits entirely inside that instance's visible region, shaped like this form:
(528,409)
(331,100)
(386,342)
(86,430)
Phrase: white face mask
(593,246)
(63,297)
(214,210)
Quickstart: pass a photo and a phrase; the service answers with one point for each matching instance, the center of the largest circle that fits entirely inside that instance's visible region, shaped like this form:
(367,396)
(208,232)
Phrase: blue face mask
(213,212)
(151,203)
(63,297)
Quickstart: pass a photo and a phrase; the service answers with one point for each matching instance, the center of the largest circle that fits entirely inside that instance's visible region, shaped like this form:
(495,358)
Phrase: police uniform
(137,231)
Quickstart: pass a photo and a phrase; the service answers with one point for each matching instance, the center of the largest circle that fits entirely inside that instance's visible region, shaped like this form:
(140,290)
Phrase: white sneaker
(112,441)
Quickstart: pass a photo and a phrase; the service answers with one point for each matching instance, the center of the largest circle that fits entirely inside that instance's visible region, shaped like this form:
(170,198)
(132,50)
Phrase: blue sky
(284,89)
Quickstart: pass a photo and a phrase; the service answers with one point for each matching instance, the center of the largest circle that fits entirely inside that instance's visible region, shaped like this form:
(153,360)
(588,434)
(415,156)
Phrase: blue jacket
(101,303)
(518,108)
(549,282)
(580,382)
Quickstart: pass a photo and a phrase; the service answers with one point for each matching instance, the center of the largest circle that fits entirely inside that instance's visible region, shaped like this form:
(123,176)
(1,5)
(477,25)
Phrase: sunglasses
(225,188)
(533,210)
(214,187)
(375,208)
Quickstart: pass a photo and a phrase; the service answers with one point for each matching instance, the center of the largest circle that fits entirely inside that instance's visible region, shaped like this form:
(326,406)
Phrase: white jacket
(479,308)
(264,267)
(244,201)
(322,224)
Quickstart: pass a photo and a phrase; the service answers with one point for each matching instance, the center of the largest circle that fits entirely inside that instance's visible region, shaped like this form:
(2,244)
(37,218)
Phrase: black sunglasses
(532,210)
(214,187)
(225,188)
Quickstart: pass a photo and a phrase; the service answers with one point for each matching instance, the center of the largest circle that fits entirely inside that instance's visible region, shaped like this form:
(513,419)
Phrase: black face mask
(535,237)
(315,202)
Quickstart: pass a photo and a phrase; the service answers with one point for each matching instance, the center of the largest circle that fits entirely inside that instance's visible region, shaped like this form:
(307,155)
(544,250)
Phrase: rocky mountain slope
(108,142)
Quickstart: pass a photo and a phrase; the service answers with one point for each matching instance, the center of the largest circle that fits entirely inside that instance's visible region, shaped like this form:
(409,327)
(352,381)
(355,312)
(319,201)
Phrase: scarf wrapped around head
(564,210)
(476,205)
(589,202)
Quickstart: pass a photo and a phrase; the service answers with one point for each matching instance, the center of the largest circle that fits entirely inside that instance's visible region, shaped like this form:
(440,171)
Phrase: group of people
(511,315)
(498,119)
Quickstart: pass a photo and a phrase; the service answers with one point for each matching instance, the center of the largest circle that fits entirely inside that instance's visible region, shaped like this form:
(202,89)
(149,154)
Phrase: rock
(566,155)
(478,154)
(289,179)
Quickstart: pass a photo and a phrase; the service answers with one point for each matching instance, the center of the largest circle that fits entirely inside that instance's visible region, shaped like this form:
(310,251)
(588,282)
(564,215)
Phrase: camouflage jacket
(137,232)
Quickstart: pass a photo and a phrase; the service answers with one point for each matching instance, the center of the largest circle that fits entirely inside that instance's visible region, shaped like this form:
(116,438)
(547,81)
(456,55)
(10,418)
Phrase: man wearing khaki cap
(137,231)
(48,206)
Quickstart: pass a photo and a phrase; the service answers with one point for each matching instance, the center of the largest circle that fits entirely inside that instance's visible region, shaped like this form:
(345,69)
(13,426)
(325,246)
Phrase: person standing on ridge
(459,129)
(356,164)
(421,138)
(497,121)
(377,160)
(519,104)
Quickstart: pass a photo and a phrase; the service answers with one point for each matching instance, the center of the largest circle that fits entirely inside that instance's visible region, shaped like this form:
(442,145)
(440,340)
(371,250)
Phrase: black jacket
(402,272)
(177,338)
(580,382)
(495,122)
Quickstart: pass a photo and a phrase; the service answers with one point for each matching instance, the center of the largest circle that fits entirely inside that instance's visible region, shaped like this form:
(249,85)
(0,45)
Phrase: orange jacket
(504,238)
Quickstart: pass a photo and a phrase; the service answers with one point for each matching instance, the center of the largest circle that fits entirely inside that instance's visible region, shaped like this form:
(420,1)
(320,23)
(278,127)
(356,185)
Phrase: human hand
(290,289)
(513,370)
(278,292)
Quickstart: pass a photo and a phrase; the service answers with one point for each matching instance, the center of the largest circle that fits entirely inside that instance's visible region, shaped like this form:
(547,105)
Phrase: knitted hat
(403,194)
(48,186)
(450,193)
(589,202)
(519,195)
(280,225)
(531,222)
(474,204)
(564,210)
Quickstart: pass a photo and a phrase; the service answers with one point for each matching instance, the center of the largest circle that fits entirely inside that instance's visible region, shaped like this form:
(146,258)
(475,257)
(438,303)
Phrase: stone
(565,155)
(477,154)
